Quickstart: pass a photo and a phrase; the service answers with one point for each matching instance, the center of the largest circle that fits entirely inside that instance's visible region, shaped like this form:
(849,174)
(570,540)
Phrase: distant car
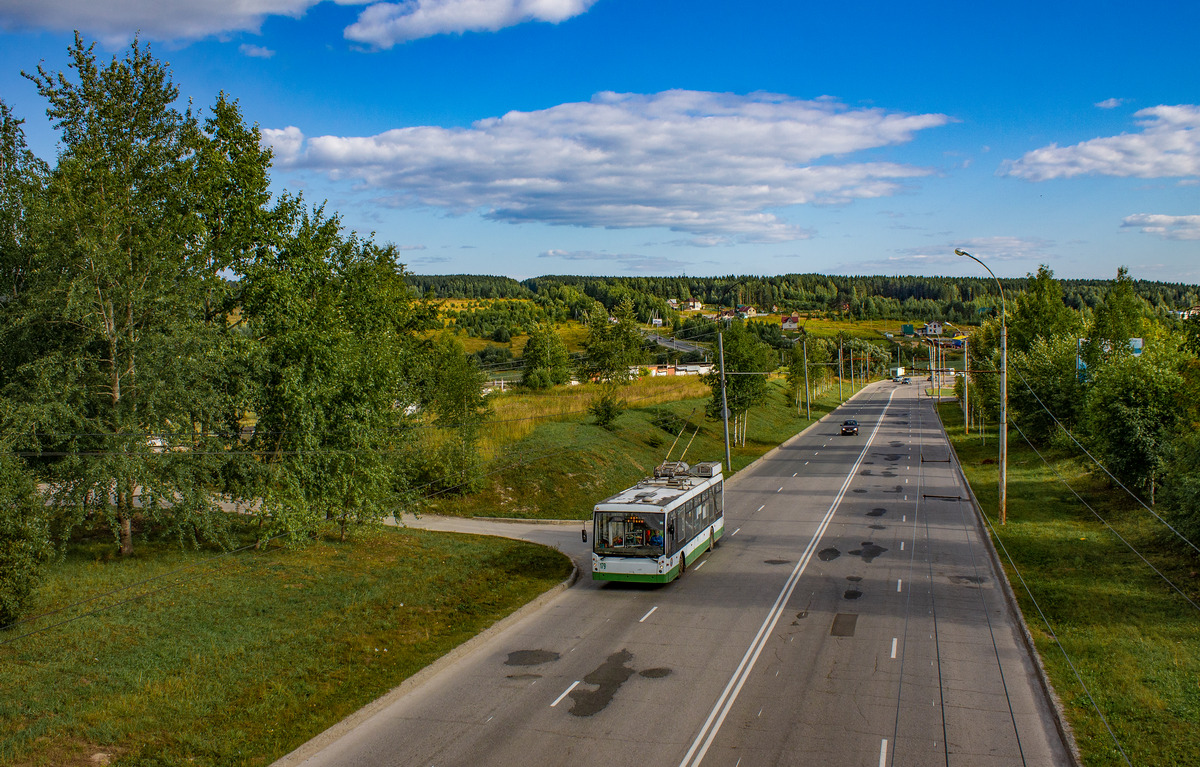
(907,380)
(850,427)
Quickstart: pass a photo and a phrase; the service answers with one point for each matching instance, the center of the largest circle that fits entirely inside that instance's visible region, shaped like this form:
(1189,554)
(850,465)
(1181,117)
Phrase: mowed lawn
(238,659)
(1134,639)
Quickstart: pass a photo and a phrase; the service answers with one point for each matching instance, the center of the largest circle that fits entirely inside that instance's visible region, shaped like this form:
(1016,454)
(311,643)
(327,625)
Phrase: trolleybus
(652,531)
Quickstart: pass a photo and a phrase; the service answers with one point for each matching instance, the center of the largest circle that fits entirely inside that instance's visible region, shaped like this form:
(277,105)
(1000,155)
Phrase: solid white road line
(883,753)
(760,508)
(894,648)
(735,532)
(701,564)
(708,732)
(565,693)
(647,615)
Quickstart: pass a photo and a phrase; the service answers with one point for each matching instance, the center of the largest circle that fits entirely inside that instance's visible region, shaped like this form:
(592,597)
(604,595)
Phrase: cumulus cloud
(1110,103)
(941,258)
(1167,227)
(1168,146)
(384,24)
(708,164)
(116,22)
(631,262)
(256,51)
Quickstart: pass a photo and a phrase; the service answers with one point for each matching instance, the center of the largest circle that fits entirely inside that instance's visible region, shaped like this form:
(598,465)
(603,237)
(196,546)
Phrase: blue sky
(527,137)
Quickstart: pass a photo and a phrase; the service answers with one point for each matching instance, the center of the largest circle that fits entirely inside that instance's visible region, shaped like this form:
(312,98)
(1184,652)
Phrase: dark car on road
(850,427)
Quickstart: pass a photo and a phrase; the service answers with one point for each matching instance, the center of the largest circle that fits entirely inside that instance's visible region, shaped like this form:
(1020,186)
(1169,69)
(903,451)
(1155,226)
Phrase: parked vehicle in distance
(907,380)
(850,427)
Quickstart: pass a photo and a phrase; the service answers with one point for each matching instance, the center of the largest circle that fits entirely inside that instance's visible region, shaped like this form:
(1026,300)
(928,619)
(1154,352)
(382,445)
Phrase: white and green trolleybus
(652,531)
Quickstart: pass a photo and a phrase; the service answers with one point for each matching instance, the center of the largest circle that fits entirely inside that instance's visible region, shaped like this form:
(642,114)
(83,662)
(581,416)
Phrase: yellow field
(516,414)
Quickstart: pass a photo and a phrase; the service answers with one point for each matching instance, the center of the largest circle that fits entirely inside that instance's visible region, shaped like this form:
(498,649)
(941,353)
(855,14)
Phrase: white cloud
(634,262)
(285,143)
(1167,227)
(1110,103)
(1168,146)
(116,21)
(385,24)
(256,51)
(709,164)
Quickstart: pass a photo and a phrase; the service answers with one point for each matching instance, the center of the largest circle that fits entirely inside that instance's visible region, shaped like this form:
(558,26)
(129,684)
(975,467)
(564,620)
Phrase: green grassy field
(242,658)
(1132,637)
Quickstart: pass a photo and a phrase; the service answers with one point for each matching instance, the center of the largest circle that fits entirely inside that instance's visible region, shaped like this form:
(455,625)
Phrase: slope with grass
(1133,639)
(559,466)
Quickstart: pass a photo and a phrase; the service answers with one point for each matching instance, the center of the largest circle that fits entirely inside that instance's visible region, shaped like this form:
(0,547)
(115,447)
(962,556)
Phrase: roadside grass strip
(1134,640)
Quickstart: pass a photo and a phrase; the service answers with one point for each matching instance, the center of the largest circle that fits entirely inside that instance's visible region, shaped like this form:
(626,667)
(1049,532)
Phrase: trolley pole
(966,387)
(724,402)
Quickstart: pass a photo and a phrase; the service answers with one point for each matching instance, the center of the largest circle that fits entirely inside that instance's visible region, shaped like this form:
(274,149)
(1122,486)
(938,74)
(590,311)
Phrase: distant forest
(962,299)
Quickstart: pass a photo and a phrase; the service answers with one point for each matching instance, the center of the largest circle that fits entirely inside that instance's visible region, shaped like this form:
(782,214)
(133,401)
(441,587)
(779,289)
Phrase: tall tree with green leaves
(332,378)
(612,348)
(1117,318)
(116,299)
(545,359)
(1133,415)
(1039,312)
(747,361)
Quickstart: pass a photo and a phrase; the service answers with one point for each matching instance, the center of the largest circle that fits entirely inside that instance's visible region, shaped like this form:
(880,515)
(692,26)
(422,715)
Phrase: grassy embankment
(549,461)
(1133,639)
(239,659)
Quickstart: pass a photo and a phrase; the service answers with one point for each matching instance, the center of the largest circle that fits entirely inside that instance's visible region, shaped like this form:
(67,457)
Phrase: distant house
(693,305)
(791,322)
(746,311)
(1187,314)
(932,329)
(673,303)
(728,314)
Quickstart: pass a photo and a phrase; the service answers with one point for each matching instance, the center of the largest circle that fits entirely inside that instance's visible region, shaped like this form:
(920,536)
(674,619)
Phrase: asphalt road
(851,616)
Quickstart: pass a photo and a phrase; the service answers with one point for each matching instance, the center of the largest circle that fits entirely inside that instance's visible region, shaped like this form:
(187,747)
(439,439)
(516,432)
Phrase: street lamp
(1003,390)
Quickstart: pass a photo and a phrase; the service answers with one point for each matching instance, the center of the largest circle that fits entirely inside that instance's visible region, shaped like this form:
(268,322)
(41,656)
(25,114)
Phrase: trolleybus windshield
(624,534)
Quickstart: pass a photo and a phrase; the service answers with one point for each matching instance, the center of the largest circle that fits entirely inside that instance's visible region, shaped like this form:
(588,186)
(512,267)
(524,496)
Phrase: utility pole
(807,396)
(966,387)
(724,402)
(840,371)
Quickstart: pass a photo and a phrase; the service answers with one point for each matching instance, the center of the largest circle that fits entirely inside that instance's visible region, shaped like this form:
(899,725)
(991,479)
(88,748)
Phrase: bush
(606,407)
(24,539)
(501,335)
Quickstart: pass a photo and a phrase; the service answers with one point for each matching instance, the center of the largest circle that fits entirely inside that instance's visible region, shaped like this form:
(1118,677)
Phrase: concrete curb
(1060,718)
(331,735)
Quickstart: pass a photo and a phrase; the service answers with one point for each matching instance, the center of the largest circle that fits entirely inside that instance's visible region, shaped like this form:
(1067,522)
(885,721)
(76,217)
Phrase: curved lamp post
(1003,390)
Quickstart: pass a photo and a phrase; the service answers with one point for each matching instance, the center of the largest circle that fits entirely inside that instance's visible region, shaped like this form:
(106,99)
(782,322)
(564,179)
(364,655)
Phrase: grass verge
(1130,635)
(259,653)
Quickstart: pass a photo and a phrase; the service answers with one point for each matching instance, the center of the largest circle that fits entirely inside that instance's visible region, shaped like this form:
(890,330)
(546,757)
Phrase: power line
(1102,519)
(1102,466)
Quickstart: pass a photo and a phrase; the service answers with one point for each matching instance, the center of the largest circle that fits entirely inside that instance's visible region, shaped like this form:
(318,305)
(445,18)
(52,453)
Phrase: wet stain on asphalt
(868,551)
(860,490)
(865,472)
(776,562)
(530,657)
(967,580)
(876,512)
(608,678)
(524,676)
(877,527)
(829,554)
(889,473)
(899,489)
